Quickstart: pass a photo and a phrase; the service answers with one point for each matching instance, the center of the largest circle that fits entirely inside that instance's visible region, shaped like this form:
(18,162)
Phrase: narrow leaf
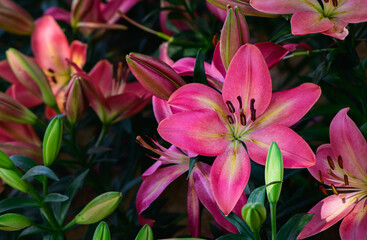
(40,170)
(234,237)
(241,226)
(199,70)
(294,226)
(191,166)
(257,195)
(23,162)
(55,197)
(17,203)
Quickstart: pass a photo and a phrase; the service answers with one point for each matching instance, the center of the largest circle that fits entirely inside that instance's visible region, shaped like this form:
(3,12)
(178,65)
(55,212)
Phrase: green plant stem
(273,207)
(257,234)
(45,181)
(305,53)
(69,225)
(98,142)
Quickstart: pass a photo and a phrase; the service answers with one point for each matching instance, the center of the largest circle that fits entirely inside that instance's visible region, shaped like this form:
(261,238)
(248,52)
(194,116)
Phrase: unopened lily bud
(13,222)
(79,10)
(30,76)
(274,172)
(155,76)
(5,161)
(13,111)
(102,232)
(13,180)
(99,208)
(15,19)
(52,141)
(76,99)
(235,33)
(145,233)
(254,214)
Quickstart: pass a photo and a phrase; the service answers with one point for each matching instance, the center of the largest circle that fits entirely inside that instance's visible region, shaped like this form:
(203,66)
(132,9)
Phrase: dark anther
(239,101)
(230,119)
(340,162)
(331,163)
(53,79)
(335,3)
(346,181)
(253,115)
(230,107)
(334,189)
(243,119)
(321,178)
(51,70)
(323,190)
(326,1)
(332,174)
(252,109)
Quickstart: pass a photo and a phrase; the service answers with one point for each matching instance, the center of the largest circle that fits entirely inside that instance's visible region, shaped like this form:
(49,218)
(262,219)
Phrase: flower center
(328,7)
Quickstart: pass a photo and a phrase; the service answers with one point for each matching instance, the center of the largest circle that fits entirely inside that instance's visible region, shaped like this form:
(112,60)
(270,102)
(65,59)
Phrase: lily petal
(296,152)
(193,209)
(272,52)
(309,22)
(352,12)
(101,77)
(201,132)
(21,94)
(284,6)
(229,175)
(161,109)
(78,53)
(354,225)
(59,14)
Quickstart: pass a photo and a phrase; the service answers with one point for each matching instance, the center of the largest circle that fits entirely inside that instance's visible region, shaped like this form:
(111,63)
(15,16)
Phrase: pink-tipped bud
(15,19)
(235,33)
(155,76)
(30,76)
(13,111)
(76,99)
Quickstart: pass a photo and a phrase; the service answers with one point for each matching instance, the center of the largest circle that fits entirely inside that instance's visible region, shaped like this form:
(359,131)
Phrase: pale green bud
(274,172)
(102,232)
(254,214)
(13,180)
(52,141)
(145,233)
(13,222)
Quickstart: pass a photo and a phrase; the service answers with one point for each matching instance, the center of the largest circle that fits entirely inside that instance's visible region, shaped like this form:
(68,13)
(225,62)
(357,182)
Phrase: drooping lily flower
(329,17)
(247,113)
(342,166)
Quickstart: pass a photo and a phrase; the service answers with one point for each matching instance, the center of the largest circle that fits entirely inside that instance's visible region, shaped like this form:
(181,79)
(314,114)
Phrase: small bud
(30,76)
(13,222)
(254,214)
(155,76)
(13,180)
(102,232)
(15,19)
(76,99)
(52,141)
(13,111)
(274,173)
(235,33)
(5,161)
(99,208)
(145,233)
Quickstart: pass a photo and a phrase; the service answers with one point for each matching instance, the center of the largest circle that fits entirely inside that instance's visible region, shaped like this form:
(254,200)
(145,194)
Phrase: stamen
(340,162)
(346,181)
(333,175)
(335,3)
(53,79)
(239,101)
(334,189)
(230,119)
(51,70)
(326,1)
(323,190)
(330,161)
(321,178)
(230,106)
(243,119)
(215,39)
(253,110)
(253,115)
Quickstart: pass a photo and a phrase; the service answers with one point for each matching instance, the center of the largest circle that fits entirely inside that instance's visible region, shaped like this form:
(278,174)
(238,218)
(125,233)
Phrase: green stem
(99,141)
(257,234)
(45,181)
(273,207)
(69,225)
(305,53)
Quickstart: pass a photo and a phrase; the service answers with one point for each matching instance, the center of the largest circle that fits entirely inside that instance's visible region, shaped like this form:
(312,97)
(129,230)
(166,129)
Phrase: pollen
(330,162)
(230,106)
(340,162)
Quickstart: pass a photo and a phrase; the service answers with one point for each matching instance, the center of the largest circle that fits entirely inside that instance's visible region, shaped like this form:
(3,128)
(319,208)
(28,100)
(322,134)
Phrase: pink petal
(25,97)
(124,7)
(352,11)
(7,73)
(118,104)
(248,77)
(143,221)
(78,53)
(163,54)
(201,132)
(161,109)
(289,106)
(339,29)
(229,175)
(218,12)
(50,46)
(152,169)
(59,14)
(309,22)
(348,142)
(354,224)
(327,212)
(273,53)
(284,6)
(193,209)
(196,96)
(22,148)
(155,184)
(204,192)
(101,77)
(19,133)
(296,152)
(217,64)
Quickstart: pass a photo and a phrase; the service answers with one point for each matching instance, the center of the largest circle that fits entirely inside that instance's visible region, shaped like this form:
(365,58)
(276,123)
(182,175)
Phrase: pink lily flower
(329,17)
(163,18)
(247,113)
(342,166)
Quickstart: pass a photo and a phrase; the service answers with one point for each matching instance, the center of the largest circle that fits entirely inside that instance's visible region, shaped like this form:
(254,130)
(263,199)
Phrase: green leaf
(294,226)
(23,162)
(191,166)
(257,195)
(40,170)
(241,226)
(145,233)
(29,231)
(199,70)
(237,236)
(55,197)
(17,203)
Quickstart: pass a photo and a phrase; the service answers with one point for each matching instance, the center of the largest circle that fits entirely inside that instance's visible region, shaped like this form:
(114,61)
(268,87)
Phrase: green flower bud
(145,233)
(274,173)
(102,232)
(15,19)
(5,161)
(13,180)
(13,222)
(99,208)
(254,214)
(52,141)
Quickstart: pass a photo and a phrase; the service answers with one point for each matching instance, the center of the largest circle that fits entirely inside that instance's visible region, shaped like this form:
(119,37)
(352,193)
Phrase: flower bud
(102,232)
(254,214)
(235,33)
(13,222)
(13,180)
(145,233)
(99,208)
(76,99)
(52,141)
(79,10)
(30,76)
(155,76)
(274,173)
(13,111)
(5,161)
(15,19)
